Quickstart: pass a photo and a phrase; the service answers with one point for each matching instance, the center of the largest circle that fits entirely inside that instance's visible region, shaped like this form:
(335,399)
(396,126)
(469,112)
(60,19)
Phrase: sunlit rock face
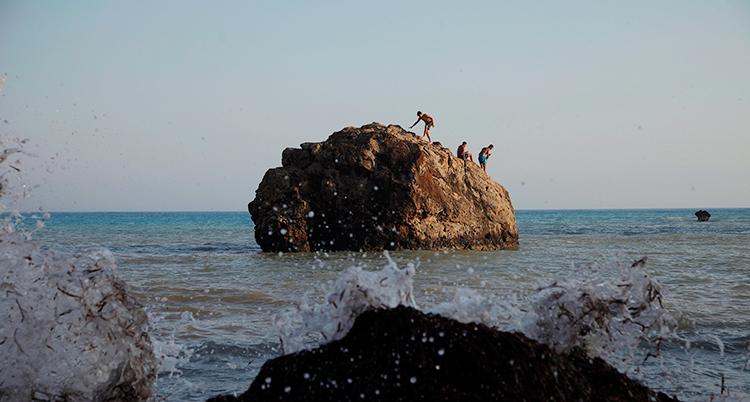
(404,354)
(374,188)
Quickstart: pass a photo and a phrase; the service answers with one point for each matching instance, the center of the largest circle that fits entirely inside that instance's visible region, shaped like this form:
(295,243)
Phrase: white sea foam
(355,291)
(69,329)
(170,353)
(601,309)
(469,306)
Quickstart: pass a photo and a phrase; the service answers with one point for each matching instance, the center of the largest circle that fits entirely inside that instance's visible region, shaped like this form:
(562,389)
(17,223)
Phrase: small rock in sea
(702,216)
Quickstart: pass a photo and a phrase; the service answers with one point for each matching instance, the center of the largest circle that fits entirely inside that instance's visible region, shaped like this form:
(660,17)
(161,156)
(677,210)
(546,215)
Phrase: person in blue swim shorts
(483,155)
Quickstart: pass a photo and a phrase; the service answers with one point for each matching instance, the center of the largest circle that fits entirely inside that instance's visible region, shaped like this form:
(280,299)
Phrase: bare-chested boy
(428,122)
(483,155)
(463,154)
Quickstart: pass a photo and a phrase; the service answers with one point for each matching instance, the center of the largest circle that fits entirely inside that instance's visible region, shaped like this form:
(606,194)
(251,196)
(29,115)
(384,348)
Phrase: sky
(184,105)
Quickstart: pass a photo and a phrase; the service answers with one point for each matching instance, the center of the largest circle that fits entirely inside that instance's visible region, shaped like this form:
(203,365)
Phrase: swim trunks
(482,159)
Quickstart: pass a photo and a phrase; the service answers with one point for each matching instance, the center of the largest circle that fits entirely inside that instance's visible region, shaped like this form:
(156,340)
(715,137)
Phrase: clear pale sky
(183,105)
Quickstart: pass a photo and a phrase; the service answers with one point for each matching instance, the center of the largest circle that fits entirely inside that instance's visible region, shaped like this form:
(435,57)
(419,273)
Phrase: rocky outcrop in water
(703,216)
(404,354)
(374,188)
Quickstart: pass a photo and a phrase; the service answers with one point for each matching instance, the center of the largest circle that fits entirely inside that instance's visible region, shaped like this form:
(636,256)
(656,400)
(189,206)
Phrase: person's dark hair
(418,113)
(464,143)
(492,146)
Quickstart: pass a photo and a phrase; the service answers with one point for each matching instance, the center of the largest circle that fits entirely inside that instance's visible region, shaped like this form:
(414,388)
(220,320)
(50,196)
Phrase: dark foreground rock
(405,355)
(703,216)
(374,188)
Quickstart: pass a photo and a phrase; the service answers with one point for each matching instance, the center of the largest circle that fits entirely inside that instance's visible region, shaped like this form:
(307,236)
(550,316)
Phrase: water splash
(600,314)
(355,291)
(170,353)
(602,309)
(469,306)
(69,329)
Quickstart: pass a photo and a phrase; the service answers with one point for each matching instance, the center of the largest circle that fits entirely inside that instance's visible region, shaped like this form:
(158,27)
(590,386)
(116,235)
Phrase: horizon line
(515,209)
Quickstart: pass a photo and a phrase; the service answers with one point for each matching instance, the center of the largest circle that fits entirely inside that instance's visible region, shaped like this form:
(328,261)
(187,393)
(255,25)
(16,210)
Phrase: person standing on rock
(483,155)
(463,154)
(428,122)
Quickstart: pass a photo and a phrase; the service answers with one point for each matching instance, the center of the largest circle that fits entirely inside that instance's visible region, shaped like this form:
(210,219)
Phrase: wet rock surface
(403,354)
(379,187)
(703,216)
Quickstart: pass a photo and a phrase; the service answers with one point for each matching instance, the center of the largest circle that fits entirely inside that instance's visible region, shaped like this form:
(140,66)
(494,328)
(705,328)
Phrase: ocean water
(212,295)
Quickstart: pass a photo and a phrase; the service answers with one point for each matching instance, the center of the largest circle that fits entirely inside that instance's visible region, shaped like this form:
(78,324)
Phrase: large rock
(405,355)
(376,187)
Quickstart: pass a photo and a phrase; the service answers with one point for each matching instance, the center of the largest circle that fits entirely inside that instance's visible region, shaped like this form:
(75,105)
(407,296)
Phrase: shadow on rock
(404,354)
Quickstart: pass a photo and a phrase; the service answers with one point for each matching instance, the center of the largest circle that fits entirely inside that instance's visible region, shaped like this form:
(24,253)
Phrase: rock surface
(404,354)
(374,188)
(703,216)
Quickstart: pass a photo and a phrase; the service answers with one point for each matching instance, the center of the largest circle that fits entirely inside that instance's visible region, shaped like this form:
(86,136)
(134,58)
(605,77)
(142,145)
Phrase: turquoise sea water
(211,294)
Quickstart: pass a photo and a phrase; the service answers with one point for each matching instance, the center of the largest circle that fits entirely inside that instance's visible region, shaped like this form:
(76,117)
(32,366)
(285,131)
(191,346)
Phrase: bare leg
(427,133)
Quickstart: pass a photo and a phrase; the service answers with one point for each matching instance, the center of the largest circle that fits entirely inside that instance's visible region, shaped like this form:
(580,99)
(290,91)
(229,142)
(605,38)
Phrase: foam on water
(170,353)
(469,306)
(603,311)
(599,313)
(355,291)
(70,331)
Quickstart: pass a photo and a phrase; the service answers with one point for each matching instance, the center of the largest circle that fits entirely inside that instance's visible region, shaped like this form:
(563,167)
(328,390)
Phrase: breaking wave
(603,311)
(70,330)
